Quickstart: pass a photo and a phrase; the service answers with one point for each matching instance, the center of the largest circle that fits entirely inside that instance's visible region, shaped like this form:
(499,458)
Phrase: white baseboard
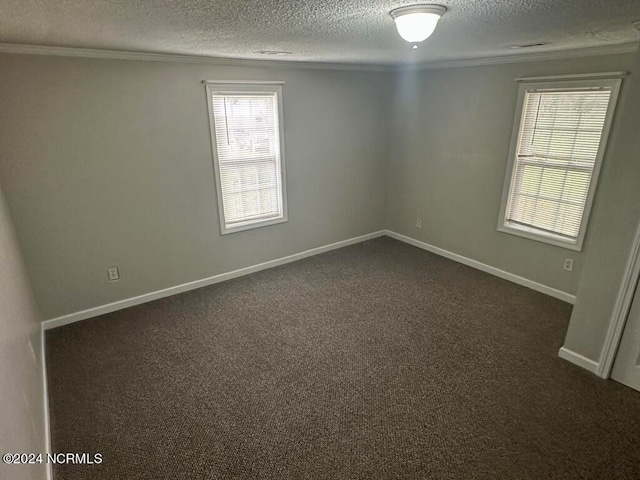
(148,297)
(185,287)
(45,392)
(539,287)
(579,360)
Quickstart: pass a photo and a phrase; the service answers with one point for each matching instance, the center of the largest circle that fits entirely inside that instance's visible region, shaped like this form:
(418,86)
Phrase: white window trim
(569,82)
(247,86)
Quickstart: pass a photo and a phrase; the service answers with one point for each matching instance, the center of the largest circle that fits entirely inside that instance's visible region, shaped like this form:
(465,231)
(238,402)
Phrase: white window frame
(612,81)
(247,86)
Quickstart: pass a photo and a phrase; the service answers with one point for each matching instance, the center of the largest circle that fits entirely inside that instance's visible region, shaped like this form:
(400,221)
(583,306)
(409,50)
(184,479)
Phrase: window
(246,133)
(555,158)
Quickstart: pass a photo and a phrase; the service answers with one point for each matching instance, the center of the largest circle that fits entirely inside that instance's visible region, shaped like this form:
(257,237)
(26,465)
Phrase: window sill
(540,236)
(240,227)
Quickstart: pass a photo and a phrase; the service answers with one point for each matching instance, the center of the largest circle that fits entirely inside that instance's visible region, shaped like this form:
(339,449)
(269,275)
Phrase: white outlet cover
(113,273)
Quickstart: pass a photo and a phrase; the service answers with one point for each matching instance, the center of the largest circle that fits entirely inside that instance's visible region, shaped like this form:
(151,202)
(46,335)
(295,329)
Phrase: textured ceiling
(355,31)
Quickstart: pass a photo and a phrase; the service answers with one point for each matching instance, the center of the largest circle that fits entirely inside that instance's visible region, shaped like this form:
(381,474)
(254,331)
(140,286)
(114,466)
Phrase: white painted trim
(578,76)
(179,58)
(578,360)
(45,391)
(273,88)
(185,287)
(530,57)
(382,67)
(621,309)
(532,233)
(539,287)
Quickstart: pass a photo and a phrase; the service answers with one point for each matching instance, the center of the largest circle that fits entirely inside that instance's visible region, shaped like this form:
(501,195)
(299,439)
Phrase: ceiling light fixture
(416,23)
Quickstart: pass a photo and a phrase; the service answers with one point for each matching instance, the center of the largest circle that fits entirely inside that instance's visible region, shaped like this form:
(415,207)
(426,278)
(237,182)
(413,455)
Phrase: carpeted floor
(376,361)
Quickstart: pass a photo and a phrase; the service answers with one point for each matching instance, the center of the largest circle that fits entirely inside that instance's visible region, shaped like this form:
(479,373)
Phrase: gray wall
(614,222)
(452,131)
(108,162)
(21,393)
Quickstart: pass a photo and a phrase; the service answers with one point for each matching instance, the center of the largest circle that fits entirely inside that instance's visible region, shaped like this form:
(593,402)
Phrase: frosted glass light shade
(416,23)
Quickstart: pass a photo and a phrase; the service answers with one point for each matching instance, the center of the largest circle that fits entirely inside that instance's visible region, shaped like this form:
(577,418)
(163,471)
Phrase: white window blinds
(558,146)
(246,127)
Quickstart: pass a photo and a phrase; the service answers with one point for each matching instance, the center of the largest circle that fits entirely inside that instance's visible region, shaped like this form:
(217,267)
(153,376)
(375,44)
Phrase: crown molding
(528,57)
(577,76)
(11,48)
(19,49)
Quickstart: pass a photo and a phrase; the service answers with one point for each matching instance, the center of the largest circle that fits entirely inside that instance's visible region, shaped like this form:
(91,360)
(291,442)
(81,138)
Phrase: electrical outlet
(419,223)
(114,274)
(568,264)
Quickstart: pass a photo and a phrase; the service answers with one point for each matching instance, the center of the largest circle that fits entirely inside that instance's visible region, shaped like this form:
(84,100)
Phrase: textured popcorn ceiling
(359,31)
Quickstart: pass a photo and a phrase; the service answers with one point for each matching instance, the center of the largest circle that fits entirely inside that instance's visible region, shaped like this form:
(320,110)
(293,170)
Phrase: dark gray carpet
(376,361)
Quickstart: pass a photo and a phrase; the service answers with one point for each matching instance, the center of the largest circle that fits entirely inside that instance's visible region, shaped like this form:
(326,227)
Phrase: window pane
(558,146)
(248,155)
